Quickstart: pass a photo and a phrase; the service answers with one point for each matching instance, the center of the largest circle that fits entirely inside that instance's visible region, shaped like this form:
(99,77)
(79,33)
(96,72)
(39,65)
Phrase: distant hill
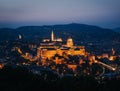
(117,29)
(79,32)
(7,34)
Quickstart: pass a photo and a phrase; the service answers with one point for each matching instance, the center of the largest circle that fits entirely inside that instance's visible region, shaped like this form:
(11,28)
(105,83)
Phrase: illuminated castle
(49,47)
(69,42)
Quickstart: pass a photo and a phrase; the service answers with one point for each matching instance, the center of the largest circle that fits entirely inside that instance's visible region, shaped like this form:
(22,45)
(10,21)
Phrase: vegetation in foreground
(21,79)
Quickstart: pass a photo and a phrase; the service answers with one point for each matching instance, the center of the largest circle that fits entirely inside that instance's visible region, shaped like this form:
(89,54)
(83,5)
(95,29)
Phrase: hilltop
(79,32)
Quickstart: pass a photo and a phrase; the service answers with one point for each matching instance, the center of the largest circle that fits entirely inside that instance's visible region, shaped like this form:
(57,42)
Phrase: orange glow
(72,66)
(1,66)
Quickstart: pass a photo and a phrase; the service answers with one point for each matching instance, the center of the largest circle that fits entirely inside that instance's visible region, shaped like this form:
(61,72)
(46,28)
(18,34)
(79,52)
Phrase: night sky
(15,13)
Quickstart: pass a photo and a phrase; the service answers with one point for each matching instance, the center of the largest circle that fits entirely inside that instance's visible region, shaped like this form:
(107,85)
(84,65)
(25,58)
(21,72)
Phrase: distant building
(19,36)
(113,52)
(72,66)
(48,49)
(46,40)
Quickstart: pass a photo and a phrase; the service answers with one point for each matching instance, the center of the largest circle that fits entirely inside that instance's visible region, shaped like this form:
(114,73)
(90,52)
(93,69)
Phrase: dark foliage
(20,79)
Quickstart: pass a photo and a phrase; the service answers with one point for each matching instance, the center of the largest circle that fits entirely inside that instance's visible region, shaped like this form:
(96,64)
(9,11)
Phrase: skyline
(16,13)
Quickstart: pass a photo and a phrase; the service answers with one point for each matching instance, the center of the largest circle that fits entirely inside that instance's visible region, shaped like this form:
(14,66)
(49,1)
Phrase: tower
(69,42)
(52,36)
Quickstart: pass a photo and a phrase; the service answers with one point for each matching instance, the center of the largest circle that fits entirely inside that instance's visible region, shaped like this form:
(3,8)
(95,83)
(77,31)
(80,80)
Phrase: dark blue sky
(15,13)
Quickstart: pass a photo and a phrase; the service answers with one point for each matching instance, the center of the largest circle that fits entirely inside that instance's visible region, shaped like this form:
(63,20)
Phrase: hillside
(79,32)
(117,29)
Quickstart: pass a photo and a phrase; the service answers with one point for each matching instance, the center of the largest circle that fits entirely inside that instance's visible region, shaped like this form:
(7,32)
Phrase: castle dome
(69,42)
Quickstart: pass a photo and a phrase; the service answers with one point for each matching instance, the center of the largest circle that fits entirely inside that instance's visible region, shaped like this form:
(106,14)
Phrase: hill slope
(117,29)
(79,32)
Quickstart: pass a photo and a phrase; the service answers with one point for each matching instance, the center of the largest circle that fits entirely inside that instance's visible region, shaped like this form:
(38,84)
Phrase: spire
(52,36)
